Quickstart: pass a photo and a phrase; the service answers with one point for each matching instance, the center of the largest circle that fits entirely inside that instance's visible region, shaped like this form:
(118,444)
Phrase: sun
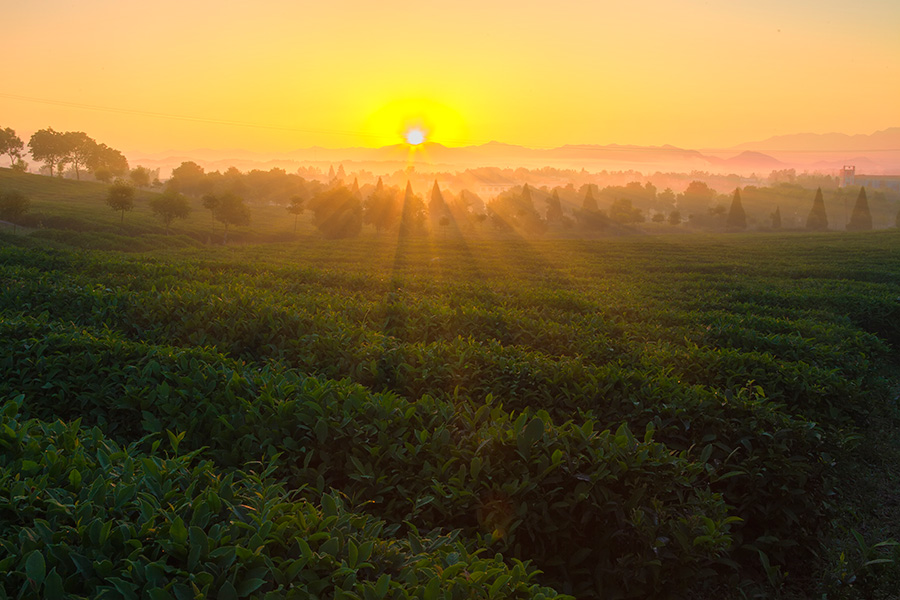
(414,136)
(416,121)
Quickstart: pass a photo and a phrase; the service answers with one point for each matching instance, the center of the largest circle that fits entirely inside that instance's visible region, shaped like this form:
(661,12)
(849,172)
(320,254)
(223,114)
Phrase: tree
(232,211)
(589,203)
(696,199)
(737,218)
(140,176)
(623,212)
(49,147)
(13,204)
(170,206)
(776,218)
(817,219)
(211,203)
(337,213)
(554,208)
(11,145)
(412,213)
(107,160)
(295,207)
(189,178)
(674,218)
(80,150)
(861,218)
(437,206)
(120,197)
(381,208)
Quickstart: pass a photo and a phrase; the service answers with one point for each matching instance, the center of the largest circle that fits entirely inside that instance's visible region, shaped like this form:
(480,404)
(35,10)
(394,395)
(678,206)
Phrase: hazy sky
(277,75)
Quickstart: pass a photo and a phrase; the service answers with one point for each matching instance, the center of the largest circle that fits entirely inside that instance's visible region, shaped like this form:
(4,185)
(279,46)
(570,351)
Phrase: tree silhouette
(140,176)
(776,218)
(11,145)
(674,218)
(211,203)
(817,219)
(120,197)
(80,149)
(105,160)
(412,213)
(554,208)
(623,212)
(861,218)
(49,147)
(232,211)
(437,206)
(189,178)
(737,218)
(295,207)
(589,203)
(170,206)
(381,208)
(13,204)
(337,213)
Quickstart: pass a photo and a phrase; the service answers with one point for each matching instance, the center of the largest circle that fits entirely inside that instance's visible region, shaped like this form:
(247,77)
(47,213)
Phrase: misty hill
(876,153)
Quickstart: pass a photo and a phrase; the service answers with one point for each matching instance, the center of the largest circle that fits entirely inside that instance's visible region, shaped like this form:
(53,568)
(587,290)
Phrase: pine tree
(737,218)
(590,204)
(861,219)
(437,207)
(817,219)
(554,208)
(776,218)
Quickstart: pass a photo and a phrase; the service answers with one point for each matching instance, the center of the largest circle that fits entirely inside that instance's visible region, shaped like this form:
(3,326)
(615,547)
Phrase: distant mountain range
(875,153)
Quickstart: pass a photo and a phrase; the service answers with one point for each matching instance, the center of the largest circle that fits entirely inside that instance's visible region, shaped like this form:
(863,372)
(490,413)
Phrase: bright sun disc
(415,137)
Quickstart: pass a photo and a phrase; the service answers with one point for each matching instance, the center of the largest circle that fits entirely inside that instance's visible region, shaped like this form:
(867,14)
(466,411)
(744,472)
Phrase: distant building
(871,182)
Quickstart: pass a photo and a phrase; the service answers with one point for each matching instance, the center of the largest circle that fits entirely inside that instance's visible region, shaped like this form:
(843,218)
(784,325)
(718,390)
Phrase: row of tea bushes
(84,517)
(595,510)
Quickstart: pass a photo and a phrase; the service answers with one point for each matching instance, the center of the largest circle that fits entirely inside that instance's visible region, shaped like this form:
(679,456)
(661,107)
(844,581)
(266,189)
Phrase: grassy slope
(81,205)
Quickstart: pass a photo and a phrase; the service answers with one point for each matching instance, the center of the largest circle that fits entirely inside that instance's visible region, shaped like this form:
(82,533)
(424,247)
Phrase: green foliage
(861,218)
(637,420)
(11,145)
(337,213)
(737,218)
(120,197)
(170,206)
(13,204)
(817,219)
(91,518)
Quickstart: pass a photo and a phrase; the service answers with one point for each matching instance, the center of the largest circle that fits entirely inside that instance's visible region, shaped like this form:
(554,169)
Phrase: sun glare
(414,137)
(416,121)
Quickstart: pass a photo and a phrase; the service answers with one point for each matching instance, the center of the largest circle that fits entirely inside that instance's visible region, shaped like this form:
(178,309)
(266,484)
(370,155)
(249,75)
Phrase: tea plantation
(646,417)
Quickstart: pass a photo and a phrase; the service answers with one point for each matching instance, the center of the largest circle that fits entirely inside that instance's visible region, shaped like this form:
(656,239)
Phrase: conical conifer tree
(776,218)
(354,189)
(737,218)
(861,219)
(436,206)
(379,187)
(817,219)
(590,203)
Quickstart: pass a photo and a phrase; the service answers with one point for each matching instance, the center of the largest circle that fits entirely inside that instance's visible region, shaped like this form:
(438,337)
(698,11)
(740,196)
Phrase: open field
(673,416)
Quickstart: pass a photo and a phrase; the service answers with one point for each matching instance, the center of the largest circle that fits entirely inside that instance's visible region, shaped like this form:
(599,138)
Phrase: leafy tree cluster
(58,149)
(275,186)
(11,145)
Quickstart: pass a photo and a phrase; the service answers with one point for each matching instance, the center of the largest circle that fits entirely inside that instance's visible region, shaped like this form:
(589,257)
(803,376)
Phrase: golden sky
(276,75)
